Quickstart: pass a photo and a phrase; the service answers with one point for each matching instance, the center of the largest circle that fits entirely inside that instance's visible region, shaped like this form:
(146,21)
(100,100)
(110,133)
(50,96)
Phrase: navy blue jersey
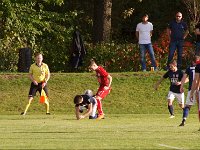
(177,30)
(190,71)
(197,69)
(174,77)
(86,101)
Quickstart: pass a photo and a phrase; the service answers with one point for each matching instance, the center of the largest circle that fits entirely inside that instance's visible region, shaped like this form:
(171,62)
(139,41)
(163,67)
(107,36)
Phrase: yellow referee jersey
(39,73)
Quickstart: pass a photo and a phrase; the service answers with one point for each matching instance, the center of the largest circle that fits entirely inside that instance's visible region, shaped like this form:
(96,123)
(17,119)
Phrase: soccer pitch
(117,131)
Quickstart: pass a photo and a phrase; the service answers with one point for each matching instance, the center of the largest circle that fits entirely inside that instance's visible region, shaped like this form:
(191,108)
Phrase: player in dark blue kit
(196,85)
(88,102)
(190,72)
(175,77)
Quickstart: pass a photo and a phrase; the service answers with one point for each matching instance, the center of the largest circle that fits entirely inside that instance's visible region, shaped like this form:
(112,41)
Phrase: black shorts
(34,88)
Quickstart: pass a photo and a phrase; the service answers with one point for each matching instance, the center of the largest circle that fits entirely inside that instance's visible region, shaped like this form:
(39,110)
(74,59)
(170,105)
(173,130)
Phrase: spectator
(144,31)
(177,32)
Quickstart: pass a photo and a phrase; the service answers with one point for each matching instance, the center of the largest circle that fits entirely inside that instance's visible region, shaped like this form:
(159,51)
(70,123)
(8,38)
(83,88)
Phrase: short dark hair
(145,15)
(92,62)
(77,99)
(174,62)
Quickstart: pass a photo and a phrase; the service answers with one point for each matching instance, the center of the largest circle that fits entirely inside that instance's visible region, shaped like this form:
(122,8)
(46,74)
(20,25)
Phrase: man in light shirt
(144,31)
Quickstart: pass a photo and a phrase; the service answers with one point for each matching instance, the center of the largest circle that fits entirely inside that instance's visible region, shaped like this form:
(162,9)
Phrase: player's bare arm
(183,81)
(32,79)
(77,113)
(89,110)
(195,84)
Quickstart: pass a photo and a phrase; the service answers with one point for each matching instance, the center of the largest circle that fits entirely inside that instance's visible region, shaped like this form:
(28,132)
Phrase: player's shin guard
(171,109)
(99,107)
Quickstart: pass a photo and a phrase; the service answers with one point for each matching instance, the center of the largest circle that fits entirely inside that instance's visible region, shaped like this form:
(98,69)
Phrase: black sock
(171,109)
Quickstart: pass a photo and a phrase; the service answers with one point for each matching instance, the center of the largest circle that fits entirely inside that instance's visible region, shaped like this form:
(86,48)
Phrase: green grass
(117,131)
(136,115)
(132,93)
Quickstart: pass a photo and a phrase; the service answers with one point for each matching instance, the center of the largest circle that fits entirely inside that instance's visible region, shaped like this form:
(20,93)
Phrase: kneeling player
(88,102)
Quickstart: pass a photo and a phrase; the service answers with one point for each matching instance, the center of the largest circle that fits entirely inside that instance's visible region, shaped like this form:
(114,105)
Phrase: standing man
(105,81)
(189,73)
(177,32)
(197,33)
(39,75)
(175,77)
(144,31)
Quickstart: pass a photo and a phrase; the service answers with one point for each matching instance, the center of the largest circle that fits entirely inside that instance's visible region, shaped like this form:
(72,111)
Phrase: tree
(30,23)
(193,8)
(102,21)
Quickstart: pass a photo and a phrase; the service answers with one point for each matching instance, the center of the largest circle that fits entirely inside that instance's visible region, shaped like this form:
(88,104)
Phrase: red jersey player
(105,81)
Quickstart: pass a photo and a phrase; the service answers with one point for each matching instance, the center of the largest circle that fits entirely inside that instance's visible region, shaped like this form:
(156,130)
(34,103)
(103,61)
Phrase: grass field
(136,115)
(132,92)
(117,131)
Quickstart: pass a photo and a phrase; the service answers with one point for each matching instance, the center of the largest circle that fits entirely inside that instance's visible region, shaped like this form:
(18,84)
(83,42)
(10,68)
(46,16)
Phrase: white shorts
(180,97)
(94,106)
(188,102)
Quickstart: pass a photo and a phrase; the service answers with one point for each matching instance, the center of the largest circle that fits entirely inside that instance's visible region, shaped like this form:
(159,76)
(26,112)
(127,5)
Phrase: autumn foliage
(126,57)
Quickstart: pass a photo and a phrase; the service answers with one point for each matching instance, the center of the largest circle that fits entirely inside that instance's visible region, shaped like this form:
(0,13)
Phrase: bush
(114,57)
(161,49)
(126,57)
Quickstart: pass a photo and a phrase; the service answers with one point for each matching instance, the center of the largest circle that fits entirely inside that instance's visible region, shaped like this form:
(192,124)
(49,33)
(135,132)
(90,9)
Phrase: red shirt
(102,76)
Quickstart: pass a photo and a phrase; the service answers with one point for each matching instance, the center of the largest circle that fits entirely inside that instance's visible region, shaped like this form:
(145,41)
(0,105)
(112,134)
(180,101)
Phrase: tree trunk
(102,21)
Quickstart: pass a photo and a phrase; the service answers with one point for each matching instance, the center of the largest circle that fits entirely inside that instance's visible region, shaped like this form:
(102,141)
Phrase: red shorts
(103,92)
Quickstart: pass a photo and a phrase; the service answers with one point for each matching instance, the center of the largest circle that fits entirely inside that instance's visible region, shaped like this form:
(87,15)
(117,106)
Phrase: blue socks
(186,112)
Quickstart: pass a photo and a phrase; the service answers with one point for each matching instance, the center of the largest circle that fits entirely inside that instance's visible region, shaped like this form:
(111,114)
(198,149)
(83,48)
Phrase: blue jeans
(197,50)
(143,48)
(172,47)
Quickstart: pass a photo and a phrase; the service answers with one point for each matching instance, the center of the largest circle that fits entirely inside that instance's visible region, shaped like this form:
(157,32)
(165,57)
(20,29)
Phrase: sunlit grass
(117,131)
